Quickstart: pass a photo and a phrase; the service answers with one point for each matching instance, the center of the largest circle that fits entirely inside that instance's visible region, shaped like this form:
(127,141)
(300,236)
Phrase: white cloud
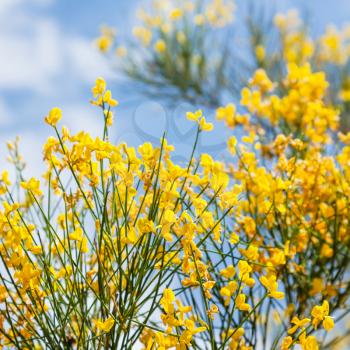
(36,51)
(44,63)
(8,5)
(29,61)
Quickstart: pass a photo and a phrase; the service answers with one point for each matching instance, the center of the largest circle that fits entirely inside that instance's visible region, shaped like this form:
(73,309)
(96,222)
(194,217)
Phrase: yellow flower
(260,52)
(241,304)
(104,326)
(191,329)
(99,88)
(298,324)
(308,342)
(204,125)
(319,312)
(160,46)
(228,272)
(5,178)
(167,300)
(28,275)
(54,116)
(33,185)
(317,286)
(286,343)
(212,311)
(78,236)
(107,98)
(104,43)
(36,249)
(194,116)
(234,238)
(328,323)
(262,81)
(143,34)
(232,142)
(244,273)
(271,285)
(344,95)
(228,291)
(175,14)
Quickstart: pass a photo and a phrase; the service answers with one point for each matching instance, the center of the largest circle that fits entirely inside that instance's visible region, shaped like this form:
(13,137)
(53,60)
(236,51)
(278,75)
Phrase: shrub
(123,247)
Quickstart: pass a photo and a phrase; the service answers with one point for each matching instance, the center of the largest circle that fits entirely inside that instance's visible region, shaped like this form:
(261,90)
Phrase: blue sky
(47,59)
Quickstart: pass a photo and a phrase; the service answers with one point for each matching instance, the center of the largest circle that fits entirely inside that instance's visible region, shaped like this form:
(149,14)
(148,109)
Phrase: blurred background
(48,58)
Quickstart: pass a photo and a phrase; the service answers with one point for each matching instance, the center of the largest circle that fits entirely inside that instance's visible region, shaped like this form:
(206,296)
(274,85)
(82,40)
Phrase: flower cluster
(260,240)
(122,246)
(173,35)
(329,52)
(187,50)
(301,109)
